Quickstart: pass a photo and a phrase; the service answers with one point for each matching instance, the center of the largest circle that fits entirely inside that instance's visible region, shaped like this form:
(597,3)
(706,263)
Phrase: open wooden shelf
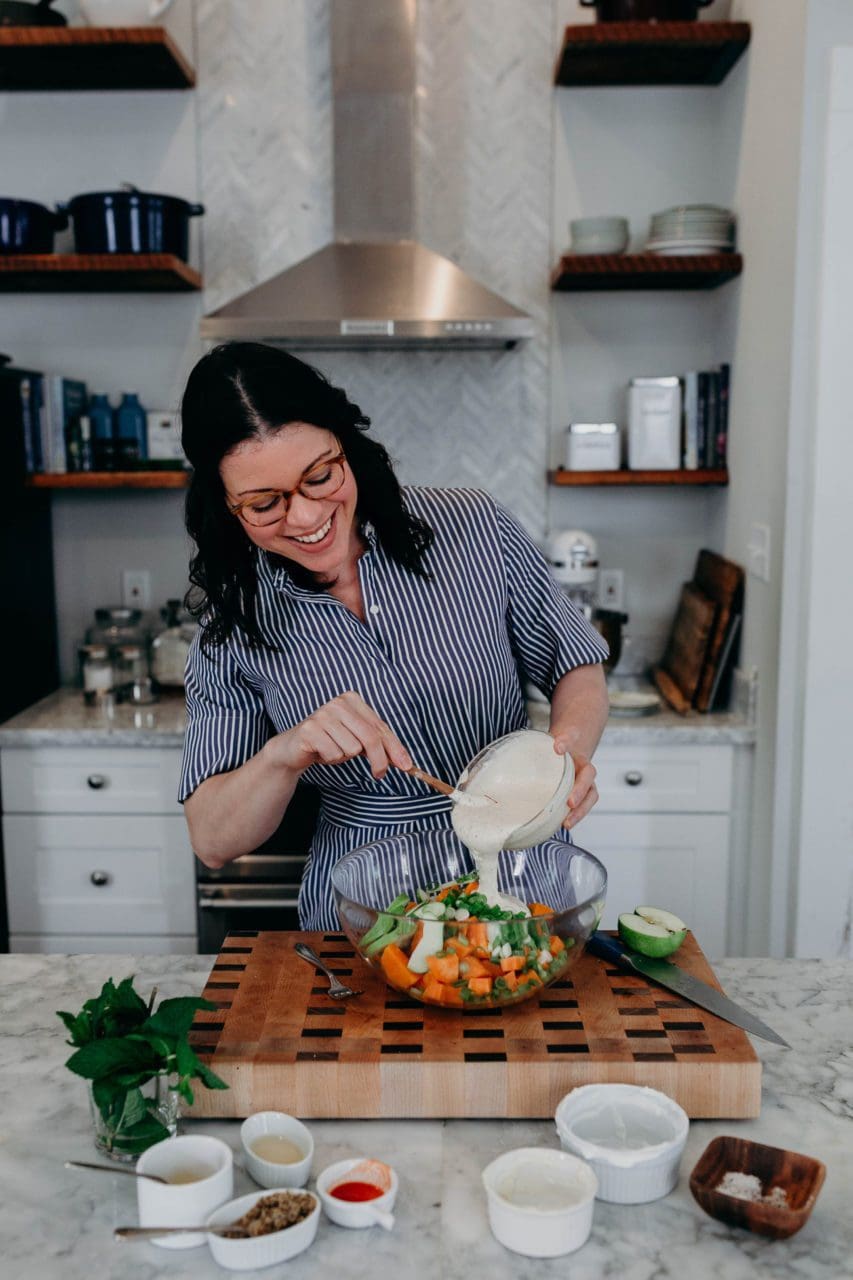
(96,273)
(111,480)
(83,58)
(597,272)
(706,476)
(649,53)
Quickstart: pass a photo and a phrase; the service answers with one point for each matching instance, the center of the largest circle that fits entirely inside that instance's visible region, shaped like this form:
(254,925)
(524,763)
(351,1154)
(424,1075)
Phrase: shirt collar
(272,566)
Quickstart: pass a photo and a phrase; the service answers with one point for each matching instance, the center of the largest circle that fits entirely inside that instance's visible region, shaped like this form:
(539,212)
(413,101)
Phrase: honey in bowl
(277,1149)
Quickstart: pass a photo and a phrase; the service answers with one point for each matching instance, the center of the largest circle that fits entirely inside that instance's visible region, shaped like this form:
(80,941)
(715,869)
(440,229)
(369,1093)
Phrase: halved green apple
(652,931)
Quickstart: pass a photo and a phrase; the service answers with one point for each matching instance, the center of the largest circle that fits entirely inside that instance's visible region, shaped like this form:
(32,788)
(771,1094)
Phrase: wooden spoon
(457,796)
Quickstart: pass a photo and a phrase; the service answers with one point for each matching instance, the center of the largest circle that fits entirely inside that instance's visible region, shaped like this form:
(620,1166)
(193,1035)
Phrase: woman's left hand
(584,793)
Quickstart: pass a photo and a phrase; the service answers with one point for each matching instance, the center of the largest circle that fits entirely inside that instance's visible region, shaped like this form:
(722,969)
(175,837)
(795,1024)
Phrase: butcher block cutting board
(283,1045)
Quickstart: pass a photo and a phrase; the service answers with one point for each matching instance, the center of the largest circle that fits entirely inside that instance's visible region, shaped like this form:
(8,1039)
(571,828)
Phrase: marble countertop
(62,719)
(56,1224)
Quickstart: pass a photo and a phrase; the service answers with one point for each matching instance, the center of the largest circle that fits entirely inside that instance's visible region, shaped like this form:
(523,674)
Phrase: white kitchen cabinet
(97,854)
(665,827)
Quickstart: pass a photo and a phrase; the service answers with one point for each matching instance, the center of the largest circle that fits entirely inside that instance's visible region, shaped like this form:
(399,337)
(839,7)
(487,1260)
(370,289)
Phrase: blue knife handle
(608,948)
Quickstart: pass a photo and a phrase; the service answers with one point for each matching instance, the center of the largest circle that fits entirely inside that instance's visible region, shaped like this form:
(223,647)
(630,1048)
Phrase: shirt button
(374,608)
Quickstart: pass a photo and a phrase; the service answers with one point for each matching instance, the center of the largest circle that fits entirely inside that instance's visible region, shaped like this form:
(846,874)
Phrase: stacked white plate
(692,228)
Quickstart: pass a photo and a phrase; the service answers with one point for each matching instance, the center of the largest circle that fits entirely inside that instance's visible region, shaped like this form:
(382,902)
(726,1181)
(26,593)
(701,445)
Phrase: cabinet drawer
(91,780)
(105,875)
(103,944)
(652,779)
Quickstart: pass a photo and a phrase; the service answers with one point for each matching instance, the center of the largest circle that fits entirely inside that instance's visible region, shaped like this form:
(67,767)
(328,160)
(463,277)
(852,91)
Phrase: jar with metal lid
(131,664)
(96,671)
(117,624)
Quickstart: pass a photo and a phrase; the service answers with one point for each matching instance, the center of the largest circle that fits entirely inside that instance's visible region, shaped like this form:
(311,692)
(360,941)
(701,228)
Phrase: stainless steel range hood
(374,285)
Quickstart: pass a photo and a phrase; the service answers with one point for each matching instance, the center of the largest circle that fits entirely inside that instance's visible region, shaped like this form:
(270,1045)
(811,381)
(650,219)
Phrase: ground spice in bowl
(274,1213)
(746,1186)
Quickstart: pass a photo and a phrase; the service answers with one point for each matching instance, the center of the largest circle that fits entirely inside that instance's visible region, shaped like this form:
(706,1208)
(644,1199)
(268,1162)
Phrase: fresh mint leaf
(103,1057)
(175,1017)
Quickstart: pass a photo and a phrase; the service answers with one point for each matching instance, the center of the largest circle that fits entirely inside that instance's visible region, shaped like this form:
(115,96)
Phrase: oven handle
(238,904)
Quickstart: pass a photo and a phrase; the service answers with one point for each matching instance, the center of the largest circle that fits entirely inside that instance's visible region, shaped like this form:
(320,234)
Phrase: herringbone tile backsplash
(483,196)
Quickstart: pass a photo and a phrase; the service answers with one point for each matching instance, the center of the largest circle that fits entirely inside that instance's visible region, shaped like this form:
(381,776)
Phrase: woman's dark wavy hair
(242,391)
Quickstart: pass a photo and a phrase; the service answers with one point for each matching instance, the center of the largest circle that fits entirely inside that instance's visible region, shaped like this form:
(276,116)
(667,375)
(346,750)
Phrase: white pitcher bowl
(123,13)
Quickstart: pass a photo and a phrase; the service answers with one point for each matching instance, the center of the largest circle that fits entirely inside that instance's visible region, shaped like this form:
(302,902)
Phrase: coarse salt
(746,1186)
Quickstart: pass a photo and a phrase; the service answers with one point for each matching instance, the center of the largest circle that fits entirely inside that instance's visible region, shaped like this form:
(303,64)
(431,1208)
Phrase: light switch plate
(611,589)
(136,589)
(758,552)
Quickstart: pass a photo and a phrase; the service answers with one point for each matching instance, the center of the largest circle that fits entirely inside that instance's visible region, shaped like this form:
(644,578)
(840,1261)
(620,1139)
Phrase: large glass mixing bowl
(467,963)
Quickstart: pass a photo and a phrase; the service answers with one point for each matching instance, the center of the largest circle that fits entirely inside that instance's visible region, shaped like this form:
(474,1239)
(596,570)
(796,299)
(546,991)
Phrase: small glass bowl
(567,879)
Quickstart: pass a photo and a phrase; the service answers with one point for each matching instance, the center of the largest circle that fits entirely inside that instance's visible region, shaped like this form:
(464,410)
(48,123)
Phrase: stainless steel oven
(258,890)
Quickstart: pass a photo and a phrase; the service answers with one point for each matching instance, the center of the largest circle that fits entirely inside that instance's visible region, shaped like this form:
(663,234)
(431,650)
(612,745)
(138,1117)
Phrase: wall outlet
(758,552)
(611,589)
(136,589)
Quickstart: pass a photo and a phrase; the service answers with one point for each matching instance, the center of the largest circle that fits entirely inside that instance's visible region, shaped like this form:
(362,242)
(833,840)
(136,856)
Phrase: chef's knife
(683,984)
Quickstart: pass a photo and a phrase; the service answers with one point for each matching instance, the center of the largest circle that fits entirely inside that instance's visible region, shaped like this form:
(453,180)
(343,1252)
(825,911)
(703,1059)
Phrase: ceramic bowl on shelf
(567,879)
(598,235)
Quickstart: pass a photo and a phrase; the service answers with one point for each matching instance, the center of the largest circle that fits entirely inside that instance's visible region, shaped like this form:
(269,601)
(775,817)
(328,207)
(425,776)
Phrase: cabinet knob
(96,781)
(100,878)
(633,777)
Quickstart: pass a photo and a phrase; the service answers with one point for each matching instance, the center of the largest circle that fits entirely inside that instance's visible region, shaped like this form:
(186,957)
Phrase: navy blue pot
(131,222)
(27,227)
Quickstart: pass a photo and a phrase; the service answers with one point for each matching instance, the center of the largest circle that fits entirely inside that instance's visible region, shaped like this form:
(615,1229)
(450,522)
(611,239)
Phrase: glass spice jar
(97,672)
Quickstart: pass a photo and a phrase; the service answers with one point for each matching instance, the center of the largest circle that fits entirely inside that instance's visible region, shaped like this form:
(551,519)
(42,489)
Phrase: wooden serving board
(282,1044)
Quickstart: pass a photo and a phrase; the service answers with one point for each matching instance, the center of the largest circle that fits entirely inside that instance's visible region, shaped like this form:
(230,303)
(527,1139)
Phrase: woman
(350,627)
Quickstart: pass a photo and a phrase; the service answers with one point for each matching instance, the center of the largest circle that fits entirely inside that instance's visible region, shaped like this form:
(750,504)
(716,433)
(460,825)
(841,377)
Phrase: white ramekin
(266,1172)
(533,1232)
(627,1175)
(347,1213)
(254,1252)
(188,1203)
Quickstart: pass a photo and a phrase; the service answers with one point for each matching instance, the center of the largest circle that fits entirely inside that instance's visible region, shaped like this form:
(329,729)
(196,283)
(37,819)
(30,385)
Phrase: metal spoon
(144,1233)
(108,1168)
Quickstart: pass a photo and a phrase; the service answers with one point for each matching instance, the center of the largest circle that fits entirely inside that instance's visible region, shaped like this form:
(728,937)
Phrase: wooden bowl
(801,1177)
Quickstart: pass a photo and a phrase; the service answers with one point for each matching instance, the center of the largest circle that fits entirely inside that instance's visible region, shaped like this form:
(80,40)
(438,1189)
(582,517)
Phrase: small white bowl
(347,1213)
(187,1203)
(530,1229)
(626,1174)
(267,1173)
(249,1253)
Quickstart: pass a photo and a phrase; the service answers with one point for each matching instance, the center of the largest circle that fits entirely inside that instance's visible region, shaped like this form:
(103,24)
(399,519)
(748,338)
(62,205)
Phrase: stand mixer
(573,557)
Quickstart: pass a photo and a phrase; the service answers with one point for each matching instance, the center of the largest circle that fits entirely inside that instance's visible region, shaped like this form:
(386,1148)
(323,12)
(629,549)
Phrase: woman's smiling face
(281,461)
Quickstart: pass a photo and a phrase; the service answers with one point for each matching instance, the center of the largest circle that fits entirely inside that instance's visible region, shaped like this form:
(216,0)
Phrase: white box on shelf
(593,446)
(654,424)
(164,437)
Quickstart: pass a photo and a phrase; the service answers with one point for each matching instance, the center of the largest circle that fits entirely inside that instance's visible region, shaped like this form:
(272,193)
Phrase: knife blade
(668,975)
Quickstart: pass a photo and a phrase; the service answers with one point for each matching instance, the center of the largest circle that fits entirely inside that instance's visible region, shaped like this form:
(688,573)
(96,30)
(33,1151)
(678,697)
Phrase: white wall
(813,830)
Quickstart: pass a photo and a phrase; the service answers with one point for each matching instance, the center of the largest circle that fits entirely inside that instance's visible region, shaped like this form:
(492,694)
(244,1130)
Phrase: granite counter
(56,1224)
(63,720)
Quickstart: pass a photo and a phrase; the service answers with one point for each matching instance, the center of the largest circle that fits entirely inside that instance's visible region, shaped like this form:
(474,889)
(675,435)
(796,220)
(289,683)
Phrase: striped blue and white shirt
(441,660)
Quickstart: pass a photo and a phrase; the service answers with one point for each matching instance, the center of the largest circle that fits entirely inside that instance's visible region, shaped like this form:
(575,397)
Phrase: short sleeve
(227,723)
(549,636)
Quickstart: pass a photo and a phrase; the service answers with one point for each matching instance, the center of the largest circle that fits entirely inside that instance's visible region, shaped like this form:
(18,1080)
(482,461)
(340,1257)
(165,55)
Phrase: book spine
(25,391)
(56,463)
(39,421)
(722,447)
(691,423)
(713,418)
(701,418)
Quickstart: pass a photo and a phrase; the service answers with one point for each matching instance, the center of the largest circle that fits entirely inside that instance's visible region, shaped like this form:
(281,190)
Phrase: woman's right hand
(340,730)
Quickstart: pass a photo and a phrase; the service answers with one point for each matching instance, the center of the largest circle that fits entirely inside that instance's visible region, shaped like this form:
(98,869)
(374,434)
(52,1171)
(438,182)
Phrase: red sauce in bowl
(355,1191)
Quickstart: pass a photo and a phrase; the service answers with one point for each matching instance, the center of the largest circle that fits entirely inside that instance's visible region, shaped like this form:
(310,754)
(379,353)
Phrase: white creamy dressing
(521,776)
(532,1185)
